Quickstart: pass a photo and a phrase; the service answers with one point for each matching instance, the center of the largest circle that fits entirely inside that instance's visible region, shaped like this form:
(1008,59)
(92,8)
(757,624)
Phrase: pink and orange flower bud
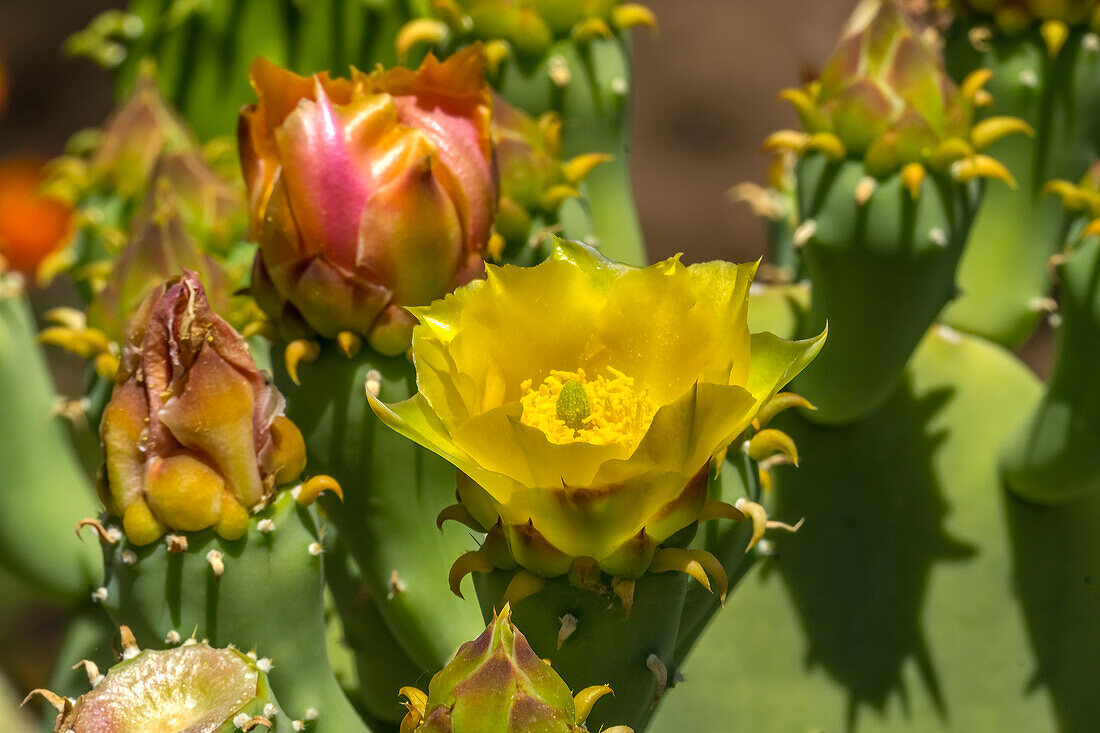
(194,435)
(367,194)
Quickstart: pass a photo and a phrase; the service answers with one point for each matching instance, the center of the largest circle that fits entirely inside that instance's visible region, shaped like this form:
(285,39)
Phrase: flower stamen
(569,407)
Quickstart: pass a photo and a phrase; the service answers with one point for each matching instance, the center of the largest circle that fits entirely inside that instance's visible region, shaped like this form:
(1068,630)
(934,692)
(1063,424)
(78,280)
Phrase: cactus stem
(523,585)
(298,351)
(568,626)
(660,672)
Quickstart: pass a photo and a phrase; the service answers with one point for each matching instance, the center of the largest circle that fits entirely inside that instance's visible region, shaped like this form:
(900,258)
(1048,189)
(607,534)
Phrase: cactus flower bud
(136,135)
(534,180)
(497,684)
(592,440)
(194,434)
(160,248)
(885,97)
(368,194)
(192,688)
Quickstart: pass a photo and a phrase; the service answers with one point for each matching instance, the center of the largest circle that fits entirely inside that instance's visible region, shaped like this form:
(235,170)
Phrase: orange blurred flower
(32,226)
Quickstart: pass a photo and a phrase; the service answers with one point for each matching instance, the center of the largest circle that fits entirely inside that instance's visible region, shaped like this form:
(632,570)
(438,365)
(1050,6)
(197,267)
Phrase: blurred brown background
(705,99)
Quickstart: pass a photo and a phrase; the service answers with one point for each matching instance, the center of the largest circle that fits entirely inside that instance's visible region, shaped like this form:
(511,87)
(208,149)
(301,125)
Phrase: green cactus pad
(1002,276)
(393,490)
(1055,457)
(910,497)
(631,652)
(882,267)
(261,593)
(45,489)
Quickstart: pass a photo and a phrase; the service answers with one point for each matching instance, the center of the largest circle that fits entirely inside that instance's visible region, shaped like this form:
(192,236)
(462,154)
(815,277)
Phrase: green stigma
(573,405)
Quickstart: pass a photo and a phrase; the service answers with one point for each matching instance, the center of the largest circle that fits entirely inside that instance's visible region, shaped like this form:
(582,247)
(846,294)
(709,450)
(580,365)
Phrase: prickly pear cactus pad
(352,181)
(193,688)
(886,191)
(497,684)
(1053,458)
(1043,59)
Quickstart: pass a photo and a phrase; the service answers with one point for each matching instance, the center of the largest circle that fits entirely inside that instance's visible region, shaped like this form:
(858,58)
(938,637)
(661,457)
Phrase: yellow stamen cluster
(612,409)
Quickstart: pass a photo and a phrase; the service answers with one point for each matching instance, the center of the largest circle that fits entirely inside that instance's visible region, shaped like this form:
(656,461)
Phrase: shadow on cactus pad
(1057,574)
(858,572)
(889,625)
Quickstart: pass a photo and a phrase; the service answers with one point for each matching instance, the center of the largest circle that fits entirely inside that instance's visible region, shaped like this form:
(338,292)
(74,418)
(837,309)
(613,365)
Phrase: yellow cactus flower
(584,400)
